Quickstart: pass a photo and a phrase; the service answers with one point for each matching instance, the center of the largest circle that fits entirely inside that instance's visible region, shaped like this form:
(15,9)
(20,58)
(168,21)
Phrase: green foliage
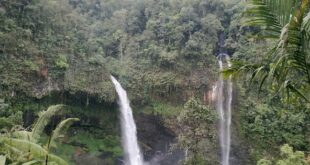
(288,157)
(264,162)
(197,160)
(18,150)
(7,119)
(272,55)
(272,15)
(276,126)
(163,53)
(32,66)
(285,68)
(88,40)
(24,146)
(3,106)
(96,145)
(197,121)
(163,109)
(61,129)
(44,119)
(9,122)
(61,62)
(2,160)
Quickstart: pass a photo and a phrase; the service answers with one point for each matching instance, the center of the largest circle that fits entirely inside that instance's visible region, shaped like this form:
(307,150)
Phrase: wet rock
(157,140)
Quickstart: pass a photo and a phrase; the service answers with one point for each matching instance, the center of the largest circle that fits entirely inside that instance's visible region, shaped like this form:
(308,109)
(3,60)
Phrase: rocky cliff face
(157,141)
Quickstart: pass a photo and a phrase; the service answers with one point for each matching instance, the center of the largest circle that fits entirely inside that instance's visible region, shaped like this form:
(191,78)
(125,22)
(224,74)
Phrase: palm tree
(287,65)
(24,146)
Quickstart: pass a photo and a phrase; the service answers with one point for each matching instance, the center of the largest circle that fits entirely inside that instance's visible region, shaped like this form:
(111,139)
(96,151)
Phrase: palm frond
(44,119)
(242,68)
(272,15)
(2,160)
(24,135)
(292,88)
(287,64)
(306,25)
(258,72)
(61,128)
(25,146)
(31,162)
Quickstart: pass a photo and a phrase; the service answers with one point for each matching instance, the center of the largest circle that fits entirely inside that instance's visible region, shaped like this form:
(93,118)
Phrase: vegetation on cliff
(163,52)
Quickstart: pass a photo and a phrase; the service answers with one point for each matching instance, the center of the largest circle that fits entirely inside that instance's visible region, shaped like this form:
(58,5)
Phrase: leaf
(61,128)
(306,24)
(271,14)
(295,90)
(31,162)
(25,146)
(288,61)
(43,120)
(24,135)
(2,160)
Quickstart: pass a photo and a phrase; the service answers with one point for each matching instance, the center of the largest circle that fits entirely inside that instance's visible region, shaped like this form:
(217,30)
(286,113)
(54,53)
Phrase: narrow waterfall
(223,106)
(132,152)
(228,106)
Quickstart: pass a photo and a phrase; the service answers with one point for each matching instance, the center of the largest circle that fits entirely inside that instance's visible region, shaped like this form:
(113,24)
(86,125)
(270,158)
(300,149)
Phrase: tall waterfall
(223,106)
(133,155)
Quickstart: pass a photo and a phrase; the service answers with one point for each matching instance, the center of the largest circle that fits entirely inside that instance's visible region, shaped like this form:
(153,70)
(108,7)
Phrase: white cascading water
(223,107)
(131,148)
(229,105)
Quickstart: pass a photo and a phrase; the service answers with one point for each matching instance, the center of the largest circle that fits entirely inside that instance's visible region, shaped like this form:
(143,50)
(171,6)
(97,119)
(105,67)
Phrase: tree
(288,157)
(196,120)
(286,68)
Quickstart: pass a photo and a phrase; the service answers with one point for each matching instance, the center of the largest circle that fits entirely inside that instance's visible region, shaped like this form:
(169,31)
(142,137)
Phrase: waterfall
(132,152)
(223,106)
(229,101)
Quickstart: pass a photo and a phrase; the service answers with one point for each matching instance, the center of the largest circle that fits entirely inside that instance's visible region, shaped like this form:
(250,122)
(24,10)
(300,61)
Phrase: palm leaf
(295,90)
(31,162)
(306,25)
(25,146)
(24,135)
(272,15)
(288,61)
(61,128)
(2,160)
(44,119)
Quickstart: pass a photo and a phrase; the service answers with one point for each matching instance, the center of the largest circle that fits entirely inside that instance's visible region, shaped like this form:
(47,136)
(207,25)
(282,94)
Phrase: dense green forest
(59,106)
